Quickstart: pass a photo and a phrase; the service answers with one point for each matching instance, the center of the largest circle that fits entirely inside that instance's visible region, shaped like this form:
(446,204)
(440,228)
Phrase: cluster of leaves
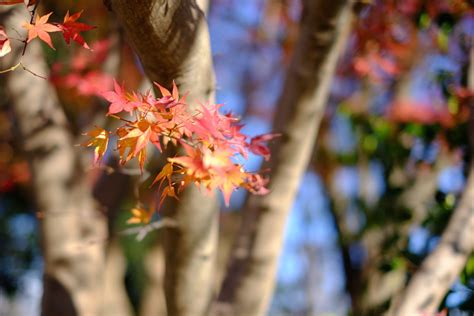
(388,34)
(214,146)
(82,74)
(13,172)
(39,27)
(389,39)
(407,60)
(70,29)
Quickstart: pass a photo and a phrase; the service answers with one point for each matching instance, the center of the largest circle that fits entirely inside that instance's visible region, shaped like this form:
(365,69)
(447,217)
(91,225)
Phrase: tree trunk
(440,269)
(249,282)
(110,191)
(72,230)
(172,40)
(153,302)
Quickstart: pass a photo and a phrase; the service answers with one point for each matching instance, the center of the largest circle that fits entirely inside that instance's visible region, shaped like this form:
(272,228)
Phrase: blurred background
(388,169)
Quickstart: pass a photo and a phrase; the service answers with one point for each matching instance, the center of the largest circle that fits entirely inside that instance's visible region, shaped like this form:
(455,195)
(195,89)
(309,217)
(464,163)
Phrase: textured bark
(115,301)
(440,269)
(110,191)
(72,230)
(381,286)
(249,283)
(153,301)
(172,40)
(228,229)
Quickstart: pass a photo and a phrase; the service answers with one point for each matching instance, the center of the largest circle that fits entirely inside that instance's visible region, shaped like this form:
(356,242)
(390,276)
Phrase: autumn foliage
(40,27)
(215,150)
(214,147)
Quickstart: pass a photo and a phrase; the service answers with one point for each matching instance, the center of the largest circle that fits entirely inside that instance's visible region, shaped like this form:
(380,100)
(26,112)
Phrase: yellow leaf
(140,215)
(99,140)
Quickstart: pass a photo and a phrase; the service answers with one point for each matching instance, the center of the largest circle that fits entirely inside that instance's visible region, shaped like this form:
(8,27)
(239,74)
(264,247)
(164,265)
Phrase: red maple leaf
(71,29)
(90,83)
(256,184)
(210,124)
(168,99)
(119,100)
(257,145)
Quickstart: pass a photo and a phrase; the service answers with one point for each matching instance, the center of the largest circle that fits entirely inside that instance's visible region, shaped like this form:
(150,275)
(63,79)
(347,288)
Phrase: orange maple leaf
(213,169)
(167,191)
(165,173)
(41,29)
(135,138)
(192,163)
(229,181)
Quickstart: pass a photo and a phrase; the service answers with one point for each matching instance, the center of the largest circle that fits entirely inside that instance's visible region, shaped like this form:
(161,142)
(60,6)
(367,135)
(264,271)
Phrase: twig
(31,72)
(20,64)
(142,231)
(125,171)
(17,33)
(33,12)
(12,68)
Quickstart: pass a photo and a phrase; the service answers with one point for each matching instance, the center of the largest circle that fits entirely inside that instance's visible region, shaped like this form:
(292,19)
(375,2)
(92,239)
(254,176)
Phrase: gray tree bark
(172,40)
(72,230)
(249,282)
(110,191)
(153,301)
(440,269)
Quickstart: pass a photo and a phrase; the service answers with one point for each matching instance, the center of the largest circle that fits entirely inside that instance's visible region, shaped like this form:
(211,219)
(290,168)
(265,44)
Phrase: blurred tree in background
(371,208)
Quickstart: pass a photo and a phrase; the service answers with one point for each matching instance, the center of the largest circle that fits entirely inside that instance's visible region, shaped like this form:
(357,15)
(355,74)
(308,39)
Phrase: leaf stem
(12,68)
(33,12)
(31,72)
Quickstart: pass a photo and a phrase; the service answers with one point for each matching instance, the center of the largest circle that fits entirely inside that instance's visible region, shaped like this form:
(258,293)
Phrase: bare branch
(249,282)
(440,269)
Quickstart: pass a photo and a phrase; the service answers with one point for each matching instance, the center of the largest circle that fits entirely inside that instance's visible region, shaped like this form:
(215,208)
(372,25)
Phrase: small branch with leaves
(214,147)
(39,27)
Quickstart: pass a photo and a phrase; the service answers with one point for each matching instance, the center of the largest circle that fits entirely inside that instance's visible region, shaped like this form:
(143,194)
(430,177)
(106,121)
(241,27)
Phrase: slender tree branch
(249,282)
(440,269)
(33,13)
